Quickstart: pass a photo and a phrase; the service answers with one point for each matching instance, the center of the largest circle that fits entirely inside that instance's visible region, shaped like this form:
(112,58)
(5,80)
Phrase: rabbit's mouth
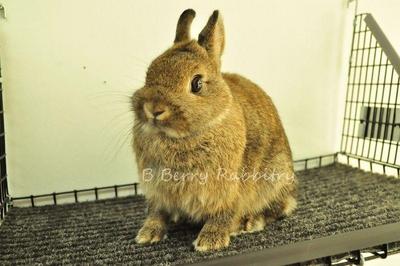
(154,127)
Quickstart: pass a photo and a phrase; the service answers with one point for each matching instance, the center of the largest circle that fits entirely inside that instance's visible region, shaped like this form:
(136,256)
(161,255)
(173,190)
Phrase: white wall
(69,66)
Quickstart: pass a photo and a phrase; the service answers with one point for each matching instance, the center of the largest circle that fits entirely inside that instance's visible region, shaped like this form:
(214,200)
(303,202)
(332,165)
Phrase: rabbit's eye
(197,84)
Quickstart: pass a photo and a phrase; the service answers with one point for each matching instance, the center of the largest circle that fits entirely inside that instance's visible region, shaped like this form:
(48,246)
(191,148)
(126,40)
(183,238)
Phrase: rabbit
(210,146)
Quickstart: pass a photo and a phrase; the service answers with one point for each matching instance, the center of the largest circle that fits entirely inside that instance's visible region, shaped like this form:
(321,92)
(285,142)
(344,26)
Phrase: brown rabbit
(210,146)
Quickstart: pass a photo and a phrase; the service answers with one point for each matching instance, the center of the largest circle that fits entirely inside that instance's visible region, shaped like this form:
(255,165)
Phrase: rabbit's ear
(183,27)
(212,37)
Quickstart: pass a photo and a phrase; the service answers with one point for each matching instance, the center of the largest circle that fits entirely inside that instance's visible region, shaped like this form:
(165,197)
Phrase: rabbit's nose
(158,112)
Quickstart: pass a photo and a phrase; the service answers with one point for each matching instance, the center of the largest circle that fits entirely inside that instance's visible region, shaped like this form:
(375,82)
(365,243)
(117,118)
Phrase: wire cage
(370,136)
(371,127)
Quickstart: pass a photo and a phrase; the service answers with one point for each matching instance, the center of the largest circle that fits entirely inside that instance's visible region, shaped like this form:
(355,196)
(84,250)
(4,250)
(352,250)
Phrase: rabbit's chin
(149,128)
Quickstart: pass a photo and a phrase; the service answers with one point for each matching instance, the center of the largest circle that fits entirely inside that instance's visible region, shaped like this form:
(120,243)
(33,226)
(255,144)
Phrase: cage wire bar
(371,127)
(3,171)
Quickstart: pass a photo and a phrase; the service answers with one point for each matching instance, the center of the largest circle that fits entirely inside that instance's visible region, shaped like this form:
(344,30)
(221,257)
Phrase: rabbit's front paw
(211,240)
(151,233)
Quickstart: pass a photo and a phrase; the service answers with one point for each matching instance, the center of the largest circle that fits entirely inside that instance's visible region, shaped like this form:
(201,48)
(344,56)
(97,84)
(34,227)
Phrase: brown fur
(231,124)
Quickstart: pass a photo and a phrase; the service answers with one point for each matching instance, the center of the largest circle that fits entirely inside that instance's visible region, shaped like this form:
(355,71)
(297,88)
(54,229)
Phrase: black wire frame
(78,192)
(371,129)
(4,197)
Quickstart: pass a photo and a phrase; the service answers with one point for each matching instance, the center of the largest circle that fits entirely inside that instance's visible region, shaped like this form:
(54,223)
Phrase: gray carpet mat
(332,199)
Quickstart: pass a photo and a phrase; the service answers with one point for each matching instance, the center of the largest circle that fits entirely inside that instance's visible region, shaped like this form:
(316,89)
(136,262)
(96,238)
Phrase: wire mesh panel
(3,170)
(371,128)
